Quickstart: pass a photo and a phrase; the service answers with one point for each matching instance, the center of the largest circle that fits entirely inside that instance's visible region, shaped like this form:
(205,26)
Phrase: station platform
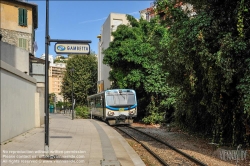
(85,142)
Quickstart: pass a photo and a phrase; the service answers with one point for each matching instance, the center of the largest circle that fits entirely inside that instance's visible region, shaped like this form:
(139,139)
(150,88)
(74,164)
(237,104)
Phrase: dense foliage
(195,60)
(82,78)
(136,63)
(82,111)
(207,58)
(52,98)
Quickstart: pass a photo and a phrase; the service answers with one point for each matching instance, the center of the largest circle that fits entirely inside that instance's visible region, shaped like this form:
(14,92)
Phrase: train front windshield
(120,99)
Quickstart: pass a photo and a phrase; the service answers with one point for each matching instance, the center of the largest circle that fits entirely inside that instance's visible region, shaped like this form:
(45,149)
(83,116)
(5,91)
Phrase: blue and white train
(115,106)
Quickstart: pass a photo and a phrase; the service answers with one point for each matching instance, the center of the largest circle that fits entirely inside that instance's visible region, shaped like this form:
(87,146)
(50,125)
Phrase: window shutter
(20,42)
(25,43)
(20,16)
(25,17)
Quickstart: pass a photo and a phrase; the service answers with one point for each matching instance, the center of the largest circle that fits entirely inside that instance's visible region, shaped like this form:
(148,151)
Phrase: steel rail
(149,150)
(173,148)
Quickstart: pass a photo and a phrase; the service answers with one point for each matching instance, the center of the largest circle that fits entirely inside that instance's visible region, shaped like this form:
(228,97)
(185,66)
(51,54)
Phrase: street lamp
(72,92)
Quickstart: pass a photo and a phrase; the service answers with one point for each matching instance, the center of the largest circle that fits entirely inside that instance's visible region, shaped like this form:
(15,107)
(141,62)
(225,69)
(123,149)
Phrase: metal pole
(55,104)
(64,104)
(70,41)
(72,71)
(46,98)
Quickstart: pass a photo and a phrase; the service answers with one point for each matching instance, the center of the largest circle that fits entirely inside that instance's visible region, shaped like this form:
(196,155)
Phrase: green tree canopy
(207,58)
(136,61)
(83,77)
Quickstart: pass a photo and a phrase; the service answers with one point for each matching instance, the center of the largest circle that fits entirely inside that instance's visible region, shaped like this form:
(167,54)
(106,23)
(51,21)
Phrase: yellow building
(56,73)
(18,23)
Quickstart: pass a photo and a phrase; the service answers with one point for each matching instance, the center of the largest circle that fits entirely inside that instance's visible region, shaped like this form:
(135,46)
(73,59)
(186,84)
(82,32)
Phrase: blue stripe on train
(117,109)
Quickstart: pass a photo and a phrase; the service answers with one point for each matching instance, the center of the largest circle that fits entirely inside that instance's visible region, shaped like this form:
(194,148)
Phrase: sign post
(70,48)
(61,47)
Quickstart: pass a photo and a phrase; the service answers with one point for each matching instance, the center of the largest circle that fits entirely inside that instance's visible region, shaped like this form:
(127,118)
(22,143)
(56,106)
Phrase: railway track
(162,151)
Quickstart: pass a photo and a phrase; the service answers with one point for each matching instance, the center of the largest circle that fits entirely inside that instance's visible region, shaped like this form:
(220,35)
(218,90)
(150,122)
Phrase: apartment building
(109,26)
(56,74)
(19,20)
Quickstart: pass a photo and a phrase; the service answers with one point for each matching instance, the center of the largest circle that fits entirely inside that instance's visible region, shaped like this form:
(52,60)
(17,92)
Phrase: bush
(154,118)
(82,111)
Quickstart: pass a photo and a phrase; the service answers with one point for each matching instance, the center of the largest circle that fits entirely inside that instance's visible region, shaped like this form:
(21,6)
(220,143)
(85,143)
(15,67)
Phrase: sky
(79,20)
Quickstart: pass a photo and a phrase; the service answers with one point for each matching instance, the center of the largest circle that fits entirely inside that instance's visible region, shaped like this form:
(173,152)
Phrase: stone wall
(12,37)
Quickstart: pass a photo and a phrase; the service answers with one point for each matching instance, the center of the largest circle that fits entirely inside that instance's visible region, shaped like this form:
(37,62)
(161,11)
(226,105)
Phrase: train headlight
(132,112)
(111,113)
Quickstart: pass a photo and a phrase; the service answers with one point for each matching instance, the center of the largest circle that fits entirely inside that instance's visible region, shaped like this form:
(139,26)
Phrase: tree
(207,56)
(136,62)
(83,78)
(52,98)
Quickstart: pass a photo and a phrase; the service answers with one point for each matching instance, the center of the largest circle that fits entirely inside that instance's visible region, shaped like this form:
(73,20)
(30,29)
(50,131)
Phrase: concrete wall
(17,101)
(37,112)
(105,40)
(41,91)
(38,71)
(106,37)
(14,56)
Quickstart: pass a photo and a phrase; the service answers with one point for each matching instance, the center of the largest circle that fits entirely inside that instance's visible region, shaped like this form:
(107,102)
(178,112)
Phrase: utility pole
(83,43)
(46,102)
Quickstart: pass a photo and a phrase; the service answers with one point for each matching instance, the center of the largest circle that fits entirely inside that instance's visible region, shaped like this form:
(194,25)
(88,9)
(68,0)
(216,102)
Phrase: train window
(110,100)
(92,103)
(98,101)
(120,99)
(123,99)
(131,99)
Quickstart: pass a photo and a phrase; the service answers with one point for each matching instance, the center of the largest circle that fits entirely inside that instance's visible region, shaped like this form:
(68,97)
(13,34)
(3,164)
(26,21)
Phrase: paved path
(82,142)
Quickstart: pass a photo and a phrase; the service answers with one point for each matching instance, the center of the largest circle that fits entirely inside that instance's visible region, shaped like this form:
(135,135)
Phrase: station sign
(72,48)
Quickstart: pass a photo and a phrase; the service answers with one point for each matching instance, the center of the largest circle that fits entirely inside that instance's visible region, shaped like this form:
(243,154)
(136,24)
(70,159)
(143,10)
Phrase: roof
(34,59)
(34,9)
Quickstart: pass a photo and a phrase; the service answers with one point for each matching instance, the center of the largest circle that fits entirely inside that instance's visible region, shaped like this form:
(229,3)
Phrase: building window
(22,43)
(22,17)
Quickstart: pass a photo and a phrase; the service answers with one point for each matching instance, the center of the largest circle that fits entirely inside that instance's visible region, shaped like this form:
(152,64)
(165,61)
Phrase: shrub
(82,111)
(154,118)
